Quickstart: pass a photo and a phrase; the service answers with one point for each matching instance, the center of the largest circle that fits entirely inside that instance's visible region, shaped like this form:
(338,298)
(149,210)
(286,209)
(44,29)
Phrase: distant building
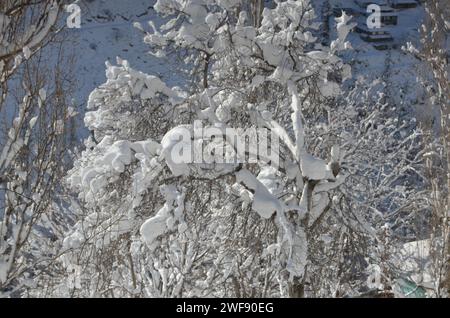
(389,15)
(380,38)
(415,262)
(403,4)
(365,3)
(374,35)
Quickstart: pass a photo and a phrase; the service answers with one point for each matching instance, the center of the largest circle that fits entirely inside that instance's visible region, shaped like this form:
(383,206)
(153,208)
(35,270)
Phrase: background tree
(34,107)
(435,53)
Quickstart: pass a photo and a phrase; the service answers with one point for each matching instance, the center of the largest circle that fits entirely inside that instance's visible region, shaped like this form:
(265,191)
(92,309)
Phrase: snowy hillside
(394,68)
(107,32)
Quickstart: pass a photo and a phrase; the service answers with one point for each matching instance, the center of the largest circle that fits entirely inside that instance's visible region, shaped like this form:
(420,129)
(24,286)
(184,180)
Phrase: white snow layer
(168,217)
(264,203)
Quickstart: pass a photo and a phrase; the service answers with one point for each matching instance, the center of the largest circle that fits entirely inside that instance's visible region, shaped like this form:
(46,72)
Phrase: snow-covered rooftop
(365,3)
(404,1)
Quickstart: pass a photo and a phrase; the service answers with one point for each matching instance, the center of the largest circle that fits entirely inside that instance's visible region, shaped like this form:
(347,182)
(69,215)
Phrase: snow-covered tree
(438,57)
(33,142)
(433,75)
(434,54)
(153,226)
(382,155)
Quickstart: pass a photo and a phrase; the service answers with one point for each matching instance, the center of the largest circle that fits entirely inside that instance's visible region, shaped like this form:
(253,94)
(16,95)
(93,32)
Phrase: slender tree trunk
(296,288)
(445,122)
(435,38)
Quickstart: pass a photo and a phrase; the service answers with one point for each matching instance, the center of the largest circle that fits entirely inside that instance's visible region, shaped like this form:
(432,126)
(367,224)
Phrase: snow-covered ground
(393,68)
(105,35)
(107,32)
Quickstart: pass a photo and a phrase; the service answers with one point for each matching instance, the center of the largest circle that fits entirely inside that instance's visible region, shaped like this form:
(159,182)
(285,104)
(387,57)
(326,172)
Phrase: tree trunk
(296,289)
